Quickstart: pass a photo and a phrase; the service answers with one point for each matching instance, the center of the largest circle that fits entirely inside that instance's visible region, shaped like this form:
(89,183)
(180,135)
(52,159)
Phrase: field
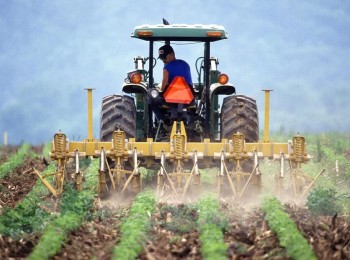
(80,225)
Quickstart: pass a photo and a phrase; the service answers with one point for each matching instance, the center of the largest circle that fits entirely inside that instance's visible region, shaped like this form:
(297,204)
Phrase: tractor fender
(131,88)
(220,89)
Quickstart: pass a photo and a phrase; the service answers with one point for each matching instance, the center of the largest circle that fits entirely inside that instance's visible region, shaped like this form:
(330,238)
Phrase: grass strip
(210,224)
(15,160)
(286,230)
(134,229)
(75,208)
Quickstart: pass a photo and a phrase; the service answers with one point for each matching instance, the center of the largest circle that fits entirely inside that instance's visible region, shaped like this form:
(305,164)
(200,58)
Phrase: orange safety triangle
(178,92)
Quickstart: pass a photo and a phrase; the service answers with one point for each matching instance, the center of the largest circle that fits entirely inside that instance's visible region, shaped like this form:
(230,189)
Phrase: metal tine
(171,184)
(187,184)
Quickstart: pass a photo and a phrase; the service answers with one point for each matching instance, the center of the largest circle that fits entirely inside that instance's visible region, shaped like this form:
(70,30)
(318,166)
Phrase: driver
(173,67)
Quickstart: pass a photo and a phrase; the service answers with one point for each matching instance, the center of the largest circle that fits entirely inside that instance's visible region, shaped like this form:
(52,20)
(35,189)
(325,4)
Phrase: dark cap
(164,51)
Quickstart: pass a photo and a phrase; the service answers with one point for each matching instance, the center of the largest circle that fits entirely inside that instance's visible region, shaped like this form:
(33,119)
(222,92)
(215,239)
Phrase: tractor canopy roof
(180,32)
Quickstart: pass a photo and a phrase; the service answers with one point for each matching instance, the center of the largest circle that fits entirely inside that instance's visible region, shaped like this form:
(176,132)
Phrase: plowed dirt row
(14,187)
(249,237)
(96,238)
(173,236)
(5,152)
(329,236)
(173,233)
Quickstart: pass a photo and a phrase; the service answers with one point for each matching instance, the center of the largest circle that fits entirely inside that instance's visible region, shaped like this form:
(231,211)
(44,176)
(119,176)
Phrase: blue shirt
(179,68)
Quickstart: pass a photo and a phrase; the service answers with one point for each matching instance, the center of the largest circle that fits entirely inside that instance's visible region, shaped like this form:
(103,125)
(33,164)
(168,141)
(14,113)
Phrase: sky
(51,50)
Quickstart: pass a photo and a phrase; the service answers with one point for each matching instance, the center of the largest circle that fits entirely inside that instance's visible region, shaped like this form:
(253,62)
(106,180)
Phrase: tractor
(218,128)
(205,118)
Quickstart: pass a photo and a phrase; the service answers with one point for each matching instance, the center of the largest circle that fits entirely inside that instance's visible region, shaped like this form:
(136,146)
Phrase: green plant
(324,201)
(46,150)
(211,223)
(103,214)
(54,236)
(28,215)
(319,153)
(339,147)
(75,208)
(208,177)
(147,175)
(286,230)
(15,160)
(135,227)
(174,239)
(183,217)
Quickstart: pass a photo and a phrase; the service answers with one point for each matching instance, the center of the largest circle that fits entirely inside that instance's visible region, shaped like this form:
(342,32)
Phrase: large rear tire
(117,112)
(240,114)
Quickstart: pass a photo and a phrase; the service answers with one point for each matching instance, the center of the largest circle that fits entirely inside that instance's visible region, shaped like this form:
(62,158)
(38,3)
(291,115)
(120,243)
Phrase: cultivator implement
(301,182)
(176,154)
(178,161)
(119,154)
(237,178)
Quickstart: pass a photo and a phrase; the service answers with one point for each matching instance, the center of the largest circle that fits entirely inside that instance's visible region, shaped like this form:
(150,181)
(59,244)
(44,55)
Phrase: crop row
(30,214)
(14,160)
(27,212)
(286,230)
(37,213)
(75,208)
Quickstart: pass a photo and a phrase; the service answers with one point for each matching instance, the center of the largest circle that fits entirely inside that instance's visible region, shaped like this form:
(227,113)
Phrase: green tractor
(204,118)
(217,128)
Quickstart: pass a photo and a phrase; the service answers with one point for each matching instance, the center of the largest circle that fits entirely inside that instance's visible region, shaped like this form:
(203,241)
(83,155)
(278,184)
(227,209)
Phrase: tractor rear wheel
(117,112)
(240,114)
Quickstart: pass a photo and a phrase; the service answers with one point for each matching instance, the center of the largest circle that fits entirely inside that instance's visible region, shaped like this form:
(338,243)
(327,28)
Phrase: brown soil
(175,236)
(6,151)
(17,249)
(249,237)
(94,239)
(329,236)
(16,185)
(172,236)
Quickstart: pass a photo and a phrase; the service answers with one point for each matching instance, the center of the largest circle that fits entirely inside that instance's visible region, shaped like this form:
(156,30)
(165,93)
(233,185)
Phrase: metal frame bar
(149,148)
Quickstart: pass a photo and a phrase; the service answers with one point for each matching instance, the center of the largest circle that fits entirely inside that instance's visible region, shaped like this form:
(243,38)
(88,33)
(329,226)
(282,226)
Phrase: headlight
(223,79)
(136,78)
(154,93)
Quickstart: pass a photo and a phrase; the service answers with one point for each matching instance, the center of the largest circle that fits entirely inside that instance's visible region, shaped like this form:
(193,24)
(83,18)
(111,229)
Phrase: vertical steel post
(150,85)
(207,87)
(89,99)
(267,115)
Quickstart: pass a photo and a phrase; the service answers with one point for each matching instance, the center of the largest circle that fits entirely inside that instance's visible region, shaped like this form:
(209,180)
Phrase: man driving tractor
(176,85)
(173,67)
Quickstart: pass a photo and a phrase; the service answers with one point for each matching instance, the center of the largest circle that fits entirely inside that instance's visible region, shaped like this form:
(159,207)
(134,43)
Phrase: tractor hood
(180,32)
